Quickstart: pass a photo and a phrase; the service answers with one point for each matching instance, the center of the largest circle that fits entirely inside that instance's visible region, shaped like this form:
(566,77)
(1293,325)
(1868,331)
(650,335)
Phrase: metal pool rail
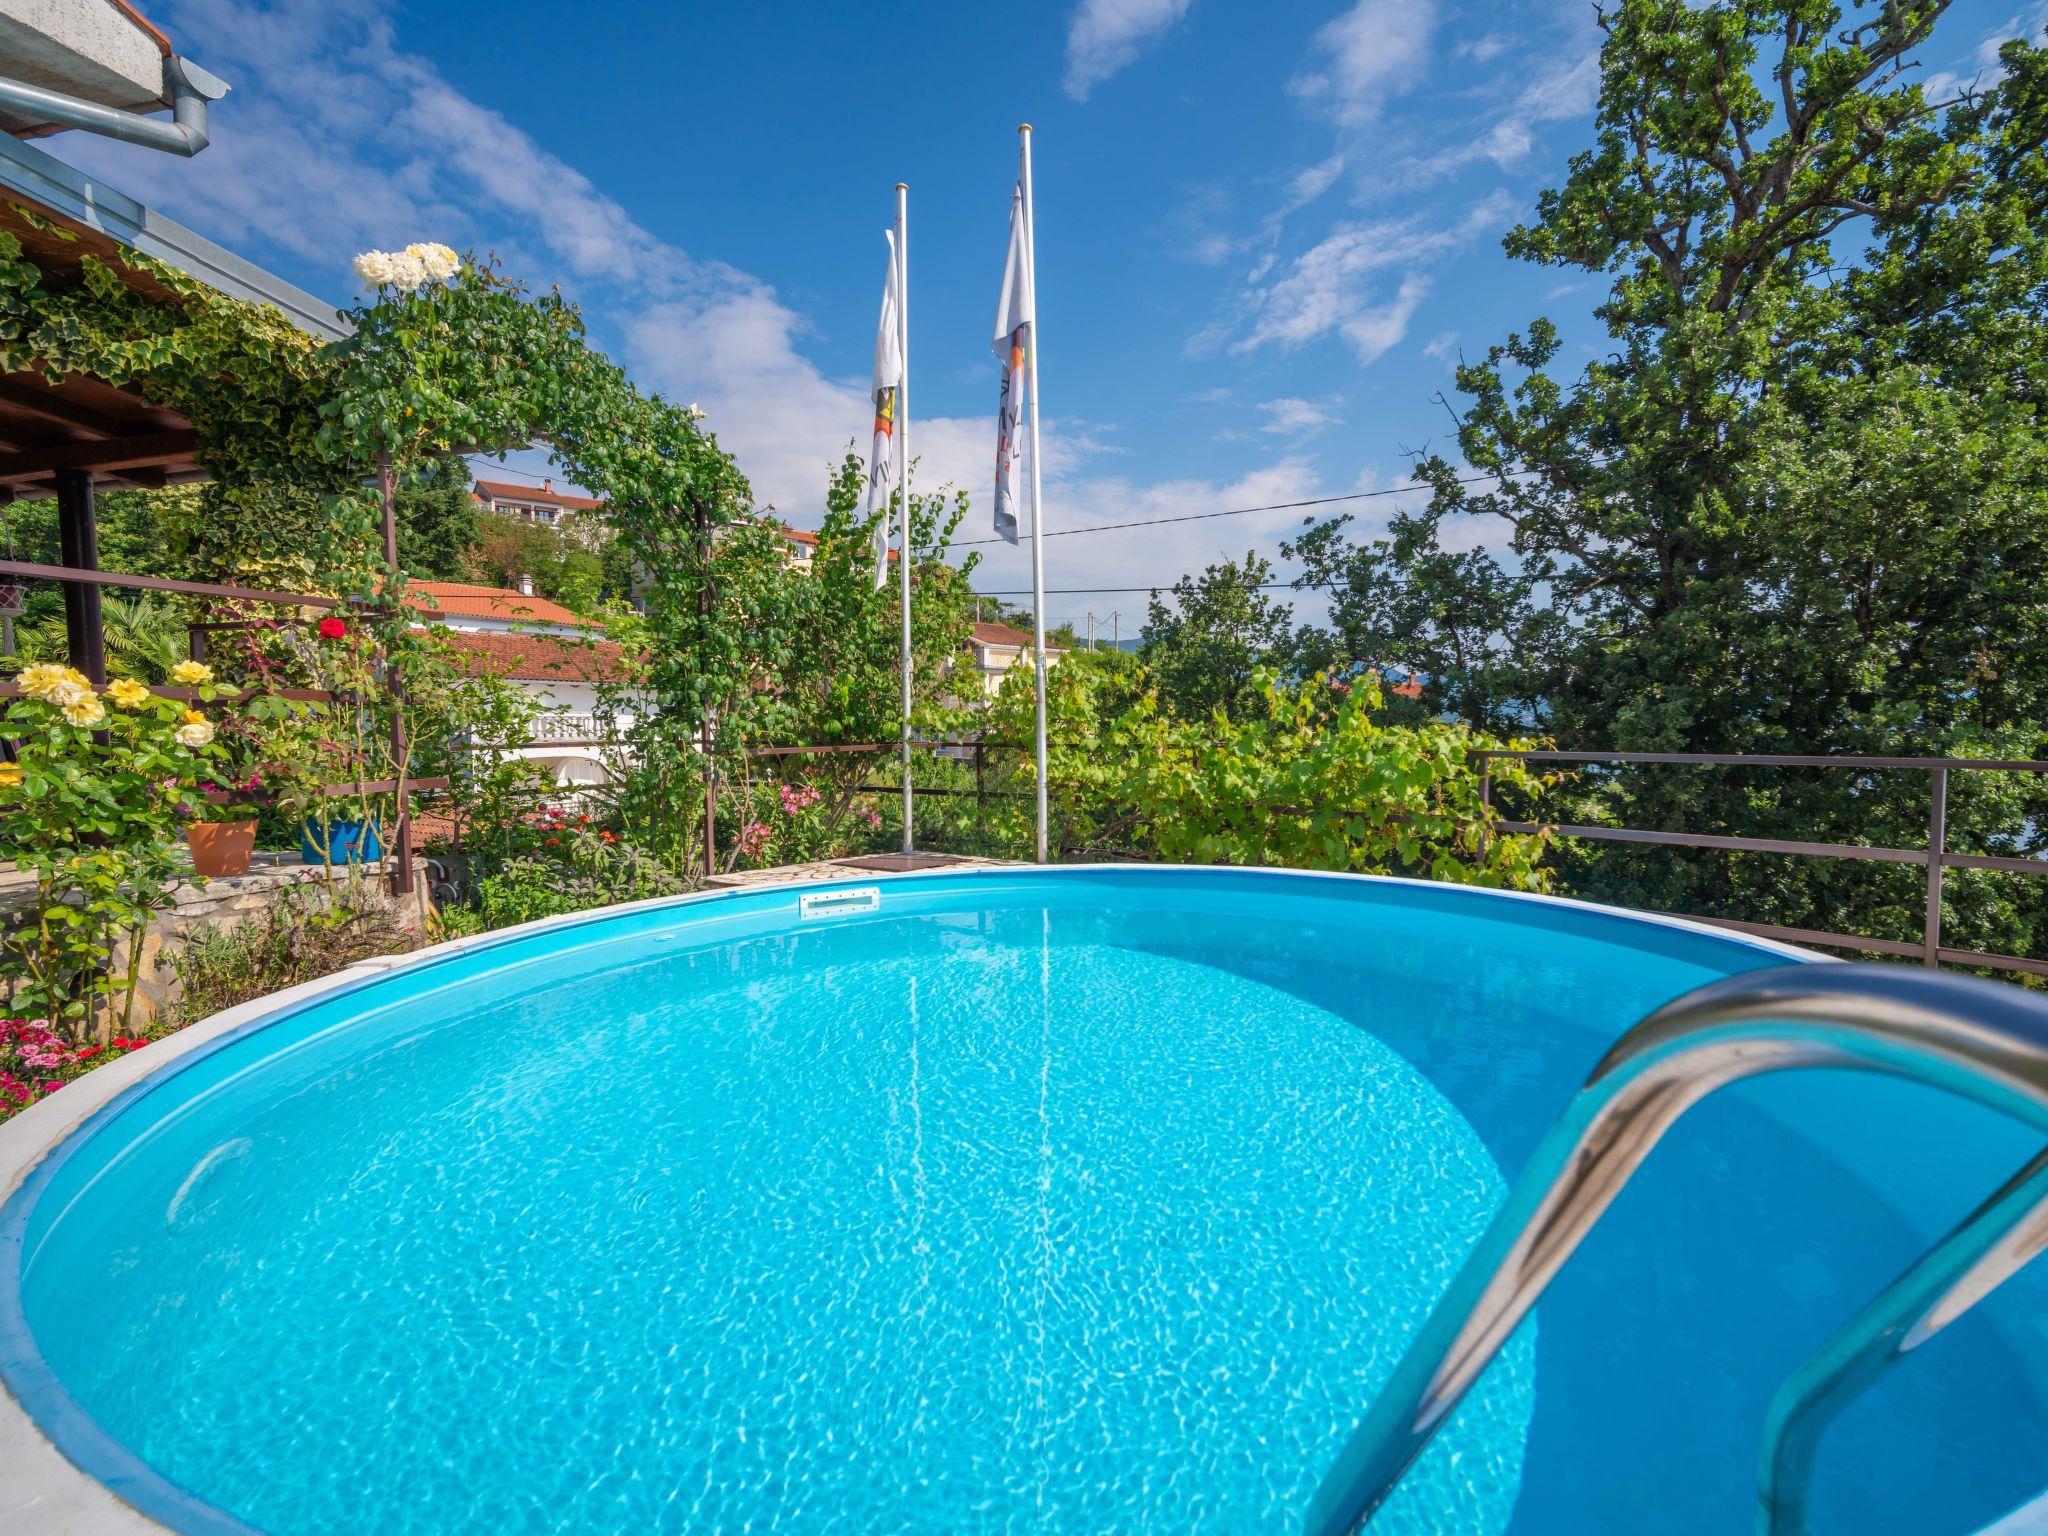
(1982,1040)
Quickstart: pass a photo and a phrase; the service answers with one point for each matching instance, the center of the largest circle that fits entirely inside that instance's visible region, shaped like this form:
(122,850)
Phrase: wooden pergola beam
(54,407)
(145,451)
(33,571)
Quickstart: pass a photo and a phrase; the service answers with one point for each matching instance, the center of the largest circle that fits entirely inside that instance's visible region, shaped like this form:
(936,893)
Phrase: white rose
(194,736)
(374,268)
(407,271)
(439,261)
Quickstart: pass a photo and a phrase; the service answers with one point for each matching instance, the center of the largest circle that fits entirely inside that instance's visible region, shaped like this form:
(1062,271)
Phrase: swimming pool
(1074,1200)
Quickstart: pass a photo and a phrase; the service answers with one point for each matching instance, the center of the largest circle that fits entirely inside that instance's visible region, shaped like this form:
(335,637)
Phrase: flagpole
(1037,508)
(903,471)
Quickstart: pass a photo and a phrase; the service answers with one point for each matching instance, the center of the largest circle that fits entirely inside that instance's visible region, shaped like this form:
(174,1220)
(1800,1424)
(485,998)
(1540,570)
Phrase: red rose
(332,629)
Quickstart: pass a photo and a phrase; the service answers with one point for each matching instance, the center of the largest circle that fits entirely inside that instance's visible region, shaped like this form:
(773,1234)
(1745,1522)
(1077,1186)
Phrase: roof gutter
(189,87)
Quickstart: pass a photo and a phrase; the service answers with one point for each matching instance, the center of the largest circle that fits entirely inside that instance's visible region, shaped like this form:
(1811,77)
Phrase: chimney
(548,486)
(524,584)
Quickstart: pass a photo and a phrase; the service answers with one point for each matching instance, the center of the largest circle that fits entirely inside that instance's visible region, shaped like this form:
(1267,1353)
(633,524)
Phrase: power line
(1235,586)
(1198,517)
(503,469)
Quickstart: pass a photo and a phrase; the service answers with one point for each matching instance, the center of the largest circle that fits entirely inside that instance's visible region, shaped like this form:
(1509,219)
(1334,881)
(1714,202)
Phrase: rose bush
(92,810)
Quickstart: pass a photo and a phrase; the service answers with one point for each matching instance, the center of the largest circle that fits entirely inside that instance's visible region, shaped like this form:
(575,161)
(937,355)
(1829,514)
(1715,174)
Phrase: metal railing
(576,730)
(1978,1039)
(1935,858)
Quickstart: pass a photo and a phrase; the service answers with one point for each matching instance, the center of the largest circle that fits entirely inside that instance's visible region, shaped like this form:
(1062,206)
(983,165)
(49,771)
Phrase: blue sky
(1264,233)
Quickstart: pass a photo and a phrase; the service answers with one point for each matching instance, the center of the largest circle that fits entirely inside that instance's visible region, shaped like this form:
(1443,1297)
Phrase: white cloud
(1479,49)
(1312,182)
(1159,553)
(1292,416)
(1441,345)
(784,420)
(1339,284)
(1376,50)
(1982,69)
(1375,331)
(1567,87)
(1105,35)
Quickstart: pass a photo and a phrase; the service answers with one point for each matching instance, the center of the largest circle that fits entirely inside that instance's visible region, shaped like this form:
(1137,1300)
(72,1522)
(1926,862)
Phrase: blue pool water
(1071,1202)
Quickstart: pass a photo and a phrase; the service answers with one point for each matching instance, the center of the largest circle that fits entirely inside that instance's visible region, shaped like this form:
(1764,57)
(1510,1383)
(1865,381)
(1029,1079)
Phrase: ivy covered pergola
(118,368)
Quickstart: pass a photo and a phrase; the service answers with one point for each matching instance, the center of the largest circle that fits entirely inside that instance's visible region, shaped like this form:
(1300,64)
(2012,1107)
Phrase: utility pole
(1091,631)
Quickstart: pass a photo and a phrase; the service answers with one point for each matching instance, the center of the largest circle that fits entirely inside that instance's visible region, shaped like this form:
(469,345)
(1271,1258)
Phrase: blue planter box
(348,842)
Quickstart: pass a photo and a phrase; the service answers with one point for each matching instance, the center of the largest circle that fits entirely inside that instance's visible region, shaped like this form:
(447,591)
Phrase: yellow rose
(10,775)
(54,684)
(85,709)
(192,674)
(126,693)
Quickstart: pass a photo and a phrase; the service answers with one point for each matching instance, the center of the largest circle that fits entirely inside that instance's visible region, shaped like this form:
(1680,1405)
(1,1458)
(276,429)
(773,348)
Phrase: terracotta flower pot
(221,847)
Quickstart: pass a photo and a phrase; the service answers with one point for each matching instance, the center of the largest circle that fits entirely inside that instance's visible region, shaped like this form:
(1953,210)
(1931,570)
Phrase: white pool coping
(42,1493)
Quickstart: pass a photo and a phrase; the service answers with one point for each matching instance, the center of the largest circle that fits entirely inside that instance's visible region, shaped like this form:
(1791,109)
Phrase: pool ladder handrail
(1986,1041)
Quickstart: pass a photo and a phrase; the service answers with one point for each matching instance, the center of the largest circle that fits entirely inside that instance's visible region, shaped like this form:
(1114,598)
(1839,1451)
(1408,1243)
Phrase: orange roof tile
(543,495)
(1005,634)
(489,603)
(538,658)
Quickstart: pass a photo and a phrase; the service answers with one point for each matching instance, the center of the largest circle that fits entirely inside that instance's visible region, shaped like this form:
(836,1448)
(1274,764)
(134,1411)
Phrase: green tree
(1460,620)
(1798,505)
(562,569)
(437,520)
(1206,648)
(841,683)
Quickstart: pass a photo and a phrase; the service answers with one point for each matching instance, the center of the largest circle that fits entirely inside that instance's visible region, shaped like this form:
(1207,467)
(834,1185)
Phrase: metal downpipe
(190,89)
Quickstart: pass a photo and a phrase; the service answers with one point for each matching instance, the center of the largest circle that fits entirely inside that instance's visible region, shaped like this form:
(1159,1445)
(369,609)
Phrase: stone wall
(228,901)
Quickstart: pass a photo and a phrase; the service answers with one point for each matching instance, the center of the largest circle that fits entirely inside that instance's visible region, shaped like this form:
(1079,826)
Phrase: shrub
(579,867)
(308,933)
(91,811)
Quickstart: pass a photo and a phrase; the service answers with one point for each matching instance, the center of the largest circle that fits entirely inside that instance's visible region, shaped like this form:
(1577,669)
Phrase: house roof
(103,220)
(538,658)
(537,495)
(1005,634)
(805,536)
(75,421)
(455,597)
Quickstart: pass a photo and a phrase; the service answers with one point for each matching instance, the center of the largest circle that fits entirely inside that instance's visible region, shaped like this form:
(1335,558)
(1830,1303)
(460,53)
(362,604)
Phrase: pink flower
(796,801)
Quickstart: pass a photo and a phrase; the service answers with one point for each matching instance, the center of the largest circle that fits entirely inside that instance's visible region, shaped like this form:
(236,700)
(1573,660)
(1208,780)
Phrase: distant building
(995,648)
(543,504)
(558,657)
(799,547)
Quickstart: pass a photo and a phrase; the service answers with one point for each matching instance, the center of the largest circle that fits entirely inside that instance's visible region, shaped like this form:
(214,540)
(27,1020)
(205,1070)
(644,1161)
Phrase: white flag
(1014,315)
(888,377)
